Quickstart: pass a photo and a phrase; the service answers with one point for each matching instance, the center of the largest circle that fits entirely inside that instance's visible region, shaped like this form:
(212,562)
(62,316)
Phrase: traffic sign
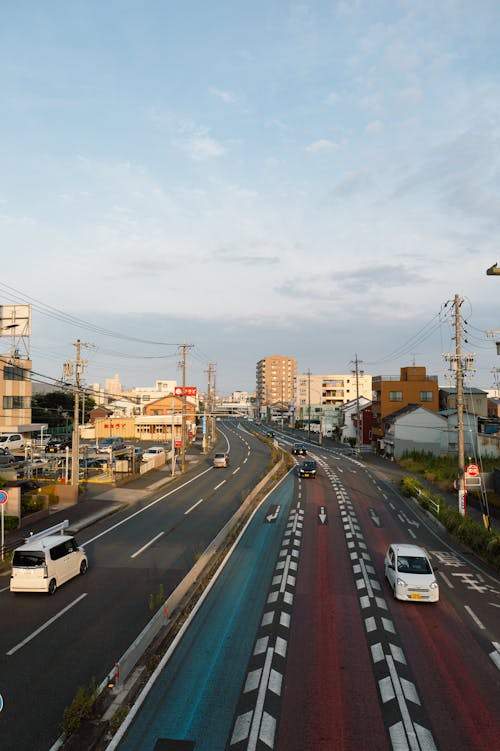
(472,470)
(4,497)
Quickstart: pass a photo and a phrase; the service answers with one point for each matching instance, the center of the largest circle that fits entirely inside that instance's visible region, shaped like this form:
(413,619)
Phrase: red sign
(186,391)
(4,497)
(178,443)
(472,470)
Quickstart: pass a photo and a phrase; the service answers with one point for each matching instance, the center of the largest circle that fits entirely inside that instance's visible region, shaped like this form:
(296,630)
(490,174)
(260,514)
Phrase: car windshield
(413,564)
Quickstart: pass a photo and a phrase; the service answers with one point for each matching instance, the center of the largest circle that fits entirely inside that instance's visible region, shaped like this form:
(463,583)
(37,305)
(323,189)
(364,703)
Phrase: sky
(311,179)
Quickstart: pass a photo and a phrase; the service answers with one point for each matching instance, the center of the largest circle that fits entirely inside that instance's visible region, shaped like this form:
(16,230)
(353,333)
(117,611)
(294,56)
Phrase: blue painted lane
(196,694)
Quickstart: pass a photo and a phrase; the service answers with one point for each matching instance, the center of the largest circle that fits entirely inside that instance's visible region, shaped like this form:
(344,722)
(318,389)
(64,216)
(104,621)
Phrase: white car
(152,452)
(410,574)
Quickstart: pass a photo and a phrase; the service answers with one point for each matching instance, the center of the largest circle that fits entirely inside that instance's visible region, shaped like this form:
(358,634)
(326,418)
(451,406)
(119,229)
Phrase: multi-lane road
(300,646)
(51,645)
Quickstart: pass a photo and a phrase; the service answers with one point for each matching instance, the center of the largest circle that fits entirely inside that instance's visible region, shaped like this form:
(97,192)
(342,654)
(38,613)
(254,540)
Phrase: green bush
(80,708)
(32,503)
(10,522)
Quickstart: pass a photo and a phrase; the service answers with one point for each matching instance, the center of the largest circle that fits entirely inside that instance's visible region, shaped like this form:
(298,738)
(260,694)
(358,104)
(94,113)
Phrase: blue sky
(312,179)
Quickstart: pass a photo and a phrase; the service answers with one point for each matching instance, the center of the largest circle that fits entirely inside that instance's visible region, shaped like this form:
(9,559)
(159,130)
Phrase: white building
(320,397)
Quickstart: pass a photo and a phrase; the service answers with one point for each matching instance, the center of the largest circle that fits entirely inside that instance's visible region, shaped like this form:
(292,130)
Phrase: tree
(56,408)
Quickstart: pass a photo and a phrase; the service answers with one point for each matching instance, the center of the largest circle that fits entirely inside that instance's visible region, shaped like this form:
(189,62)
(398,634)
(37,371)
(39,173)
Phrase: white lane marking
(46,625)
(403,708)
(236,470)
(219,485)
(5,589)
(193,506)
(448,582)
(495,656)
(412,533)
(259,707)
(144,547)
(245,461)
(145,508)
(473,616)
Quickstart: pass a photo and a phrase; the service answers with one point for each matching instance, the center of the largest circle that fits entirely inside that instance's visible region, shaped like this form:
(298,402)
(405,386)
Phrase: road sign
(4,497)
(472,470)
(186,391)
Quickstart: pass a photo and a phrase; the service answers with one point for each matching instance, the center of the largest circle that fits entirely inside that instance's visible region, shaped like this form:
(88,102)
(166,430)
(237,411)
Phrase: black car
(7,458)
(307,469)
(57,444)
(299,448)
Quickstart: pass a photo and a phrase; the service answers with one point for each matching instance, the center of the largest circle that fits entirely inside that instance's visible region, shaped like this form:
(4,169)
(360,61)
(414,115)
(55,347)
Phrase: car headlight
(433,585)
(400,582)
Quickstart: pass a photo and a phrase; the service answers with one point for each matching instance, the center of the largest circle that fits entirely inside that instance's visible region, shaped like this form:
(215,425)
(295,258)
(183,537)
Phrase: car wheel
(52,586)
(83,567)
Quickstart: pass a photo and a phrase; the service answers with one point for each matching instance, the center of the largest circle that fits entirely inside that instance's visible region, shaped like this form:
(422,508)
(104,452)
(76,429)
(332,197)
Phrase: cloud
(323,144)
(332,98)
(353,182)
(230,256)
(374,127)
(410,95)
(338,286)
(227,96)
(201,148)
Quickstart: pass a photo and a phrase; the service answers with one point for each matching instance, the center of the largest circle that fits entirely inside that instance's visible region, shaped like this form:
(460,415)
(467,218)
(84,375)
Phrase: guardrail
(169,610)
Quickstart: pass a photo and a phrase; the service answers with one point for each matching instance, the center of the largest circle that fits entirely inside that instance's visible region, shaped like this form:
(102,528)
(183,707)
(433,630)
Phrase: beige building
(329,391)
(275,377)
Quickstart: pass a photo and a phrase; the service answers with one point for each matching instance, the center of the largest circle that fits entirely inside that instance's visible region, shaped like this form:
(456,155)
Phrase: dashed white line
(144,547)
(236,470)
(46,625)
(193,506)
(219,485)
(473,616)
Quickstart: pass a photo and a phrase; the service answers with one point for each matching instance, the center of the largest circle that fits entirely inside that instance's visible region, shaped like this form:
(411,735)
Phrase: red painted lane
(456,681)
(330,699)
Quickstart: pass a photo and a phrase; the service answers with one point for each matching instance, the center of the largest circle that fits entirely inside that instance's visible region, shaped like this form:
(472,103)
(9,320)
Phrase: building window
(426,396)
(395,396)
(13,373)
(16,402)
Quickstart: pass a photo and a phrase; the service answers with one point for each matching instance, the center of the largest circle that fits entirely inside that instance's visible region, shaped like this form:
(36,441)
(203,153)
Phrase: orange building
(391,393)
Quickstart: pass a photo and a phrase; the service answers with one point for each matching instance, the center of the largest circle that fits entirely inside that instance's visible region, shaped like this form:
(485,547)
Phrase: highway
(51,645)
(300,644)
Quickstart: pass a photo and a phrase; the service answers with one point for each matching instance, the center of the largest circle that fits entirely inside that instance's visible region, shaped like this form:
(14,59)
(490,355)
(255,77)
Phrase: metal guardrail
(434,505)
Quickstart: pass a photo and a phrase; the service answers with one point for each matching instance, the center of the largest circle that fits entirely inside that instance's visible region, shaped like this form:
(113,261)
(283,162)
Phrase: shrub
(80,708)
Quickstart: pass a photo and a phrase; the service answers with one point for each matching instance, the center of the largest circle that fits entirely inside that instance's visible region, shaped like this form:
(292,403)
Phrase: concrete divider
(179,598)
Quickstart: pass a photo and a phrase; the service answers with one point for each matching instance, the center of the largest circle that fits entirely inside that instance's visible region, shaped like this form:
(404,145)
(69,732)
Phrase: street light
(493,270)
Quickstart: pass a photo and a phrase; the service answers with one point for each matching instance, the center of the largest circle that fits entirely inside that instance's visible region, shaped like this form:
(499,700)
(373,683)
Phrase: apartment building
(329,391)
(392,393)
(275,383)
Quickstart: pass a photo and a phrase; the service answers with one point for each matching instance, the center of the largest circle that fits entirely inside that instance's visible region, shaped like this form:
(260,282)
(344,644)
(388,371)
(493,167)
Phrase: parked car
(7,458)
(11,441)
(152,452)
(410,574)
(115,443)
(58,444)
(299,448)
(307,469)
(134,452)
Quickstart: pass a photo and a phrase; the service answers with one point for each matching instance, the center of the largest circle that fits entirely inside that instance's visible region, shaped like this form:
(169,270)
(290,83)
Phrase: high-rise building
(275,378)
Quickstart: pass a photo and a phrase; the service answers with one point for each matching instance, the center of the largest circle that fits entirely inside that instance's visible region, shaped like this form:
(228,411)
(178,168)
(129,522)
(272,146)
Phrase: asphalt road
(323,655)
(51,645)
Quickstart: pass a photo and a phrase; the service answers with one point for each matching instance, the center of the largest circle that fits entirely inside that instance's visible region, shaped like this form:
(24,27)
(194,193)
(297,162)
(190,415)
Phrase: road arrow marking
(322,516)
(270,518)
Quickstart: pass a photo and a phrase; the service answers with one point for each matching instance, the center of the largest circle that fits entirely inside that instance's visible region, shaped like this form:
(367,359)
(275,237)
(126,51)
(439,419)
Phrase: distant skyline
(310,179)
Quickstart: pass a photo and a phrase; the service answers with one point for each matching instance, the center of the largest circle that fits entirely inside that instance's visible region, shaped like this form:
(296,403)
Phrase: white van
(11,441)
(221,460)
(44,563)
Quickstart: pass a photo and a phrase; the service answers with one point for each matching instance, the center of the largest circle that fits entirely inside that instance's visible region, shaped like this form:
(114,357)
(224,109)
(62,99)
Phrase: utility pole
(208,411)
(358,411)
(75,442)
(309,404)
(458,366)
